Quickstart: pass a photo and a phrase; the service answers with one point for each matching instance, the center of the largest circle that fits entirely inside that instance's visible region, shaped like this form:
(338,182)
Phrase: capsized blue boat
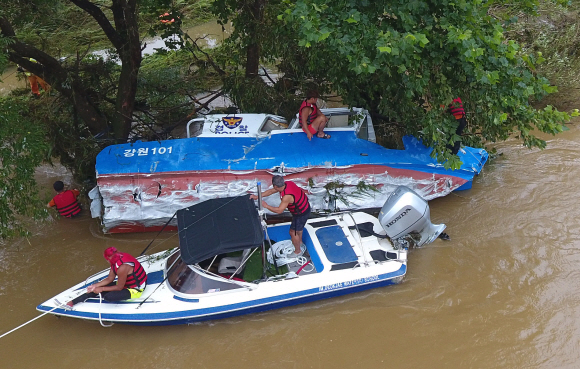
(141,185)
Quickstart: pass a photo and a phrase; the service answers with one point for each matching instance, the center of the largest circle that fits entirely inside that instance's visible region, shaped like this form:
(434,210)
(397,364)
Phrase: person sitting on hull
(65,201)
(131,279)
(311,118)
(293,198)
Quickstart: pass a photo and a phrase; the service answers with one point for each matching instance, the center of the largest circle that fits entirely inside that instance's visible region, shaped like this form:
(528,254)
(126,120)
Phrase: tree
(123,36)
(100,94)
(405,60)
(23,147)
(247,17)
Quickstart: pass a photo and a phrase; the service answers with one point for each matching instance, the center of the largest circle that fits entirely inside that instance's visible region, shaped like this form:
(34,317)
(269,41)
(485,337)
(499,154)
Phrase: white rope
(31,320)
(100,319)
(283,251)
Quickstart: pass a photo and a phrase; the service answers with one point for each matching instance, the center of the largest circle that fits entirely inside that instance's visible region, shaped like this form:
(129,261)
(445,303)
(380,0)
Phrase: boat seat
(335,245)
(229,264)
(366,230)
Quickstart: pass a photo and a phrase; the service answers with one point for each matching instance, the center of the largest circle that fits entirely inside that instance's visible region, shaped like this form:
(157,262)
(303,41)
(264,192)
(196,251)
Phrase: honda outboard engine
(405,217)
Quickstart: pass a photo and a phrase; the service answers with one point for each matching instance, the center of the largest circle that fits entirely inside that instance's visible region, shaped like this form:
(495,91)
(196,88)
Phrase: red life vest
(138,278)
(312,115)
(300,204)
(456,108)
(67,204)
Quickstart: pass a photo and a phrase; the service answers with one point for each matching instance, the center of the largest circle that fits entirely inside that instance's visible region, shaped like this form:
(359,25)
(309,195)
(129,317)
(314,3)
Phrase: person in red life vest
(131,279)
(65,201)
(456,109)
(293,198)
(34,80)
(311,119)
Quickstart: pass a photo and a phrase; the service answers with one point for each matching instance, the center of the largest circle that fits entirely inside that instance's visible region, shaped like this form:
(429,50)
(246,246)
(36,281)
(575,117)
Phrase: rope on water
(31,320)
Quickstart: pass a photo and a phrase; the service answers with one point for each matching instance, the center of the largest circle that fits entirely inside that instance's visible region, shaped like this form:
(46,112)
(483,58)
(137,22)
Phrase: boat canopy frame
(218,226)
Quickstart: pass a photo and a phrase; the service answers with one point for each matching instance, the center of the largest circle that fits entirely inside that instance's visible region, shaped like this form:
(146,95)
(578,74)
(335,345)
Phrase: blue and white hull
(339,260)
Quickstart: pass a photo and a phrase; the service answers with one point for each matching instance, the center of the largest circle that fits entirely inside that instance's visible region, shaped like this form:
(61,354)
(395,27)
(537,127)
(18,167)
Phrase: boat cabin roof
(218,226)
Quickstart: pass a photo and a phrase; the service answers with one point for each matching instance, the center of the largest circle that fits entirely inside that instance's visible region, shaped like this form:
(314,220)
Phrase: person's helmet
(110,251)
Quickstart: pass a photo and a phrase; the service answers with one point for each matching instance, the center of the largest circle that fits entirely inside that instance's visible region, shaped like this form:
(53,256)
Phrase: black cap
(58,186)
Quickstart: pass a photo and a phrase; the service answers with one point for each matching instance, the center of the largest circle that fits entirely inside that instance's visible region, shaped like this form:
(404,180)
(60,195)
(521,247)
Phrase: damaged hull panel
(141,185)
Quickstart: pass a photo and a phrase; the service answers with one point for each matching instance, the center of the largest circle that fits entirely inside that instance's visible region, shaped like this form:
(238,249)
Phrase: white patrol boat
(229,262)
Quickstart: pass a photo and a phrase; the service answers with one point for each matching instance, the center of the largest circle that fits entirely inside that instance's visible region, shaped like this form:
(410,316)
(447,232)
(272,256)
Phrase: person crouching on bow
(131,279)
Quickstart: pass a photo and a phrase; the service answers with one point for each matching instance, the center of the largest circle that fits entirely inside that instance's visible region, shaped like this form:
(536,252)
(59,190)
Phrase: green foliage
(255,96)
(23,147)
(554,37)
(406,59)
(4,42)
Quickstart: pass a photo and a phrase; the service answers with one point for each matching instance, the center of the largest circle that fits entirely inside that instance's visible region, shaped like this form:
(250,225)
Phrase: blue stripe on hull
(292,149)
(265,304)
(278,305)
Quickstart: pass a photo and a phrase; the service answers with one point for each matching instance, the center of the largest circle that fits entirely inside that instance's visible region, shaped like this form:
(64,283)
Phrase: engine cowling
(406,215)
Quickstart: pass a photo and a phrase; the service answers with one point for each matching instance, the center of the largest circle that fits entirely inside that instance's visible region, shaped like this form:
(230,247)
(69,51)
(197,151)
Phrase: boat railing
(195,120)
(360,241)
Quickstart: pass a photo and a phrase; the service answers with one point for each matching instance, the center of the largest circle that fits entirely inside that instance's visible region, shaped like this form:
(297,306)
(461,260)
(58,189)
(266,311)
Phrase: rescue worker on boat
(311,118)
(131,279)
(65,201)
(295,199)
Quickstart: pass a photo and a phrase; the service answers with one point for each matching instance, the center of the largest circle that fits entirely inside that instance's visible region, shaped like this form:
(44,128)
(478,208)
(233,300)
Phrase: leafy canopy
(406,59)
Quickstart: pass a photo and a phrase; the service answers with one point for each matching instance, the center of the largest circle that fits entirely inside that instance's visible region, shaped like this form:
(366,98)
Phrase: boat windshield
(272,124)
(186,279)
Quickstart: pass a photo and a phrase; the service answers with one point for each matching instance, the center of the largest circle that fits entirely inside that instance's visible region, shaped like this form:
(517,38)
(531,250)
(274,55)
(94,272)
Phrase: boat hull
(142,193)
(200,315)
(340,259)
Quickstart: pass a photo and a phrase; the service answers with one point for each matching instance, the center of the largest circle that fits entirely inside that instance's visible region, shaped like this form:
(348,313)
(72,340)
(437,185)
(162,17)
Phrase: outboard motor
(405,215)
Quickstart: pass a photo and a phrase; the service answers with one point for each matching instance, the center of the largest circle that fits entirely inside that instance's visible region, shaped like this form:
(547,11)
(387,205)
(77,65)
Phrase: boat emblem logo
(232,123)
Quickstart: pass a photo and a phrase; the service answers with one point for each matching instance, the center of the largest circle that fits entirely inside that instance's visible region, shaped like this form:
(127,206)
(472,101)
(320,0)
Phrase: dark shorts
(298,221)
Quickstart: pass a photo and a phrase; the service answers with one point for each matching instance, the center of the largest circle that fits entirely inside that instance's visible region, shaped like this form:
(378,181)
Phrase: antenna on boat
(263,216)
(150,243)
(261,212)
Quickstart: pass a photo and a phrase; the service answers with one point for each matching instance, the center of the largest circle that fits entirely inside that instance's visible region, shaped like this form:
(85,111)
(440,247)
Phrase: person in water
(311,118)
(65,201)
(131,279)
(293,198)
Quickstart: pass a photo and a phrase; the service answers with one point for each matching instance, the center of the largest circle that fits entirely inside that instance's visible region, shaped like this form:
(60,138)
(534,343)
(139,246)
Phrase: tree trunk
(256,10)
(125,16)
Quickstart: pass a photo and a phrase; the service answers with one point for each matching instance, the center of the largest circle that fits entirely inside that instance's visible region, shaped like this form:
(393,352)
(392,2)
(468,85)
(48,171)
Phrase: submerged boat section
(141,185)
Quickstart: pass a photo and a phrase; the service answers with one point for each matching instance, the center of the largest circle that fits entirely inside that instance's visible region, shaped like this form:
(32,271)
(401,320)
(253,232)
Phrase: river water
(504,292)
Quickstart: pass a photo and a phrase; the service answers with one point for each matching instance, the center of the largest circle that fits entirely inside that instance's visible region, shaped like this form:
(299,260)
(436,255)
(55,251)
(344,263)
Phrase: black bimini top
(218,226)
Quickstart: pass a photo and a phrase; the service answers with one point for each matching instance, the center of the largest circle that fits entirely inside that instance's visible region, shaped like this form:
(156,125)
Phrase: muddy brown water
(504,292)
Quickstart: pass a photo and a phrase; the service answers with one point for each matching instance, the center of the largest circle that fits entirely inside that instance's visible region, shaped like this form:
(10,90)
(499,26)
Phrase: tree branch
(102,20)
